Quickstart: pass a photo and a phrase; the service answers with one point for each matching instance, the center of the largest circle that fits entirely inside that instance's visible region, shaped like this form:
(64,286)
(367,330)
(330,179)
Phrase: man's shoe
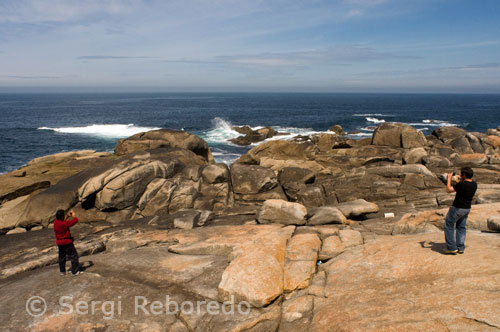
(451,252)
(77,273)
(460,251)
(63,273)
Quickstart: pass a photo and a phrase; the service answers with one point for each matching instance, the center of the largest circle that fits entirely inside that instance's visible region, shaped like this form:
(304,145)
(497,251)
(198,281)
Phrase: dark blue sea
(34,125)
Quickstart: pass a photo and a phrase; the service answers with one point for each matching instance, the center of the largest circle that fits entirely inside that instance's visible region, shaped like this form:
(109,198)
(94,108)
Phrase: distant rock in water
(337,129)
(253,136)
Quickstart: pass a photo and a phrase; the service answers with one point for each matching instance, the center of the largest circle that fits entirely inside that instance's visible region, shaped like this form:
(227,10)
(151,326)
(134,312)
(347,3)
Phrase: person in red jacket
(64,241)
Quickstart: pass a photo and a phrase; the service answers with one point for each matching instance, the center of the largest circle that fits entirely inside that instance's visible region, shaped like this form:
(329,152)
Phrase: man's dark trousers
(68,251)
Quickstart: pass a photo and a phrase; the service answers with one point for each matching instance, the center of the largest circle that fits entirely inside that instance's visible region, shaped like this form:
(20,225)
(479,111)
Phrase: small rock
(327,215)
(16,230)
(186,219)
(357,208)
(494,224)
(337,129)
(282,212)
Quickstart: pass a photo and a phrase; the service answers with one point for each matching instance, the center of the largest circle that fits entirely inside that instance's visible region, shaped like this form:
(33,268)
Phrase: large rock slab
(164,138)
(399,171)
(252,179)
(398,135)
(404,278)
(280,150)
(123,185)
(446,134)
(282,212)
(302,254)
(256,274)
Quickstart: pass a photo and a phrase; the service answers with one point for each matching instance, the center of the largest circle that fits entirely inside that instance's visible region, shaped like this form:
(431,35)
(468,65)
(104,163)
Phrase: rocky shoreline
(296,228)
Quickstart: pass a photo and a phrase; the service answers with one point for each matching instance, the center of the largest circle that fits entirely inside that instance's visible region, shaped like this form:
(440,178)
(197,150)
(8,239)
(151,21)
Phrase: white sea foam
(360,134)
(104,130)
(371,114)
(374,120)
(221,132)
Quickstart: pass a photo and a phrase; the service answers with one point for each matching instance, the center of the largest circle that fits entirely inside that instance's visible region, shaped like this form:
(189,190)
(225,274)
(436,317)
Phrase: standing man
(458,212)
(64,241)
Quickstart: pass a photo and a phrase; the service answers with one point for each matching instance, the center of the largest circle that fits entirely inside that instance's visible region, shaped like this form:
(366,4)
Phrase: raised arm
(449,187)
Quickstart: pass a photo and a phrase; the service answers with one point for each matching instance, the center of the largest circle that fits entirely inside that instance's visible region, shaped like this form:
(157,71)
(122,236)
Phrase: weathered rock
(156,197)
(415,180)
(253,136)
(461,145)
(471,160)
(256,275)
(337,129)
(10,212)
(326,215)
(295,175)
(399,171)
(183,196)
(475,143)
(186,219)
(357,208)
(123,185)
(350,237)
(296,315)
(446,134)
(282,212)
(398,135)
(436,161)
(281,149)
(426,221)
(332,246)
(494,223)
(413,270)
(327,142)
(216,173)
(302,254)
(422,222)
(164,138)
(251,179)
(309,195)
(16,230)
(280,164)
(487,193)
(414,156)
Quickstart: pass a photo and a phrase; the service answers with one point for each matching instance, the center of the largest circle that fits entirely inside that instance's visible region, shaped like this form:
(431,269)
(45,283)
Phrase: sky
(250,45)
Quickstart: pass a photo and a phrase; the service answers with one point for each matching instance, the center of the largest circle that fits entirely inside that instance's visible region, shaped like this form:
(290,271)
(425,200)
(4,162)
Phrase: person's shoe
(460,251)
(62,273)
(451,252)
(77,273)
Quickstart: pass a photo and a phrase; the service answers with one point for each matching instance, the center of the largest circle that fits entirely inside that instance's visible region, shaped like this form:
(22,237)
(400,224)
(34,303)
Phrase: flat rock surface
(406,283)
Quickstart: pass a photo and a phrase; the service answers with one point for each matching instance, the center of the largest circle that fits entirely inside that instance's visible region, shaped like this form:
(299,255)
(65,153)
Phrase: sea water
(33,125)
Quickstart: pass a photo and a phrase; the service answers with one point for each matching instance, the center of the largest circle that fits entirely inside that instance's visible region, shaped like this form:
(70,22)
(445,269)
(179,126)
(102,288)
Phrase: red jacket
(61,229)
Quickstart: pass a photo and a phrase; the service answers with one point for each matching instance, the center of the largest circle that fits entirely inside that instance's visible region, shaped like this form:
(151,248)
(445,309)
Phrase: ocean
(33,125)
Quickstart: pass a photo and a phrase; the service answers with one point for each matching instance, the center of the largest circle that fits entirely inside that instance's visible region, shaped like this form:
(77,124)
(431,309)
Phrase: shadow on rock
(434,246)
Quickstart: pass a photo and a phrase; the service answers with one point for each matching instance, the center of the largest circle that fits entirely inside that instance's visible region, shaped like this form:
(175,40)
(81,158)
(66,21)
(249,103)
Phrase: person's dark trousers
(68,251)
(456,217)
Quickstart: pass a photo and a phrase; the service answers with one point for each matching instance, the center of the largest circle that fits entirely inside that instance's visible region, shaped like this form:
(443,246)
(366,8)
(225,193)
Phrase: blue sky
(236,45)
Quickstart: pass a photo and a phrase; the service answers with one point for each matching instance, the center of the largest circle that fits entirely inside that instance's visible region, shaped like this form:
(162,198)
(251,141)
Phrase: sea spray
(104,130)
